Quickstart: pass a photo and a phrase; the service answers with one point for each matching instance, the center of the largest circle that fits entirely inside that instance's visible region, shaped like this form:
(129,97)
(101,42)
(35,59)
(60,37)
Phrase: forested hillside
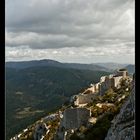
(33,92)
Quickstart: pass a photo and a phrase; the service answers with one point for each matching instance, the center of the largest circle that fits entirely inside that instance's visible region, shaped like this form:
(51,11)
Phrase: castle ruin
(83,99)
(112,81)
(75,117)
(106,82)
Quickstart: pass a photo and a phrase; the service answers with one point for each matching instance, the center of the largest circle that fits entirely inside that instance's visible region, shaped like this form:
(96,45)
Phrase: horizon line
(66,62)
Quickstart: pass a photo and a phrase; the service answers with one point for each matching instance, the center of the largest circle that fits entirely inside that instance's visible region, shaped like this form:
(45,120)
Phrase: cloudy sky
(83,31)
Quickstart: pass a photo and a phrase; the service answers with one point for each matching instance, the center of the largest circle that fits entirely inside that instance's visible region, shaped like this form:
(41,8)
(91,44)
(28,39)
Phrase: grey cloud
(38,41)
(84,55)
(41,41)
(57,24)
(62,16)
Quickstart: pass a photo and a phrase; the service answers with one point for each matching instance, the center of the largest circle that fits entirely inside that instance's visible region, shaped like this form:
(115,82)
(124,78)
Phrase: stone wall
(93,89)
(105,85)
(122,72)
(75,117)
(102,79)
(117,81)
(97,86)
(109,82)
(84,99)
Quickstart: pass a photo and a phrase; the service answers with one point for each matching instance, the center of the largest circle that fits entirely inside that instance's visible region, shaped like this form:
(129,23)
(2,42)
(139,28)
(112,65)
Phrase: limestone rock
(123,125)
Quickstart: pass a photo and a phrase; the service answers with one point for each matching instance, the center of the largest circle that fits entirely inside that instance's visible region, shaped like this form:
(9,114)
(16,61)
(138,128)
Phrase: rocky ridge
(123,125)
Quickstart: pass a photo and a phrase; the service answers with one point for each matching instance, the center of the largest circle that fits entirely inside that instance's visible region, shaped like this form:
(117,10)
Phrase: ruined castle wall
(102,79)
(110,82)
(97,86)
(117,81)
(92,88)
(123,73)
(83,115)
(105,85)
(85,98)
(70,119)
(75,117)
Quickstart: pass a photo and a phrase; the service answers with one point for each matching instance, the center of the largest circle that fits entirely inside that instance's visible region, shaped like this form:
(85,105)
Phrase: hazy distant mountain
(112,66)
(48,62)
(130,68)
(43,88)
(94,67)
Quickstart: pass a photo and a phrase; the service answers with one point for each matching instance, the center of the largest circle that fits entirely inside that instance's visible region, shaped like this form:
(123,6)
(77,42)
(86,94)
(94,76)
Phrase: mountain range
(109,67)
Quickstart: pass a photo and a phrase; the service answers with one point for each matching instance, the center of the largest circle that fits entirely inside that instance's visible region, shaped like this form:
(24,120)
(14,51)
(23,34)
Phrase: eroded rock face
(123,125)
(40,130)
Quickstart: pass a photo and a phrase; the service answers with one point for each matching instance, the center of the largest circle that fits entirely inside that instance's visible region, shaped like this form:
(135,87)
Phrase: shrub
(75,137)
(99,130)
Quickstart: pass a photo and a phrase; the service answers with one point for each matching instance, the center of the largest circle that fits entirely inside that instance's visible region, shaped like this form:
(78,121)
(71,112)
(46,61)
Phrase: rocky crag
(123,125)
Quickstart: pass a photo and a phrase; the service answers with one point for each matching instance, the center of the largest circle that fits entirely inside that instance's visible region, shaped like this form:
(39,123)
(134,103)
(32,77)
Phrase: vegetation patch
(26,112)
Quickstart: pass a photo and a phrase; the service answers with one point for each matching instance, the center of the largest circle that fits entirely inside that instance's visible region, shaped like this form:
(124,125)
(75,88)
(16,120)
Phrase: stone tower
(122,72)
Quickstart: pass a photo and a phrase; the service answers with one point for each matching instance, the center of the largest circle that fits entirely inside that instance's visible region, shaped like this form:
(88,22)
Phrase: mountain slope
(112,66)
(35,91)
(130,68)
(48,62)
(33,63)
(94,67)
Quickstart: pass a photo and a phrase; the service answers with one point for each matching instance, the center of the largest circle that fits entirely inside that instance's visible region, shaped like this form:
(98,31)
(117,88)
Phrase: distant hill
(94,67)
(33,63)
(109,67)
(34,91)
(112,66)
(130,68)
(48,62)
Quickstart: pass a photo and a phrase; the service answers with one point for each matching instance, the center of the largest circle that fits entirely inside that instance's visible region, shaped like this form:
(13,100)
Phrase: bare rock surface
(123,125)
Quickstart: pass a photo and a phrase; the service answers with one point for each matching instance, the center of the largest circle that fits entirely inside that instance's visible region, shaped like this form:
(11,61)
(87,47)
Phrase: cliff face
(123,125)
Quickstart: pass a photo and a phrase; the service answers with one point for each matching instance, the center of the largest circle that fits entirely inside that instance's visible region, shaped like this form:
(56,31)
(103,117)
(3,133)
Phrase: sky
(79,31)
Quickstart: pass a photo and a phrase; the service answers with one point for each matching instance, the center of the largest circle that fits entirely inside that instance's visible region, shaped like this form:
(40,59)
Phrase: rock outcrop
(123,125)
(40,130)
